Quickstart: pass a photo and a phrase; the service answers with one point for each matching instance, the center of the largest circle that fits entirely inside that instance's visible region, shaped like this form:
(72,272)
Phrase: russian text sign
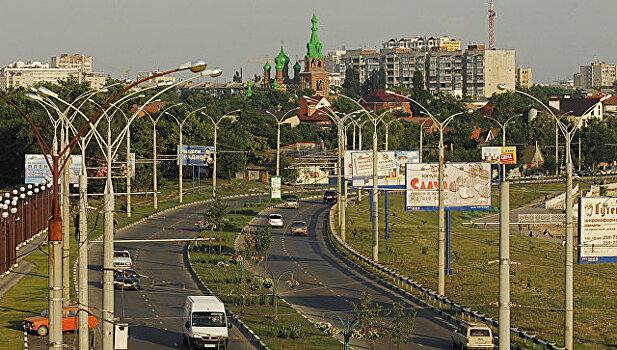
(499,155)
(390,168)
(597,230)
(275,187)
(196,155)
(467,186)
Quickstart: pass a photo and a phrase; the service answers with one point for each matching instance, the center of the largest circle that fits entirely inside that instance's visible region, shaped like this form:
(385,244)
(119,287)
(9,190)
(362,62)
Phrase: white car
(122,259)
(291,202)
(275,220)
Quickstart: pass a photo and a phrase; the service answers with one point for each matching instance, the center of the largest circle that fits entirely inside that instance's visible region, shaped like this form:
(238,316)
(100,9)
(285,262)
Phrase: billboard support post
(448,243)
(387,214)
(504,266)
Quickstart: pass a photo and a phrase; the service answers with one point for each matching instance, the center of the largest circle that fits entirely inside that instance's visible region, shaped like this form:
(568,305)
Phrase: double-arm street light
(180,151)
(215,122)
(387,124)
(568,131)
(441,251)
(56,165)
(280,119)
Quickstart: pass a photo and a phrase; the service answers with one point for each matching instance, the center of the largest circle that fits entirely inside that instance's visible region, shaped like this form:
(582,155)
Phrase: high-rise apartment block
(524,77)
(595,75)
(444,43)
(474,71)
(64,67)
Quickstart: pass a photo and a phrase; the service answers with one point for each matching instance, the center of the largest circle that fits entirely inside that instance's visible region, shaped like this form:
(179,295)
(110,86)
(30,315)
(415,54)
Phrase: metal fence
(24,214)
(542,218)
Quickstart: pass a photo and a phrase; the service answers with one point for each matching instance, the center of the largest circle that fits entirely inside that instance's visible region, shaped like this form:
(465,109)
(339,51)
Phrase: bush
(286,332)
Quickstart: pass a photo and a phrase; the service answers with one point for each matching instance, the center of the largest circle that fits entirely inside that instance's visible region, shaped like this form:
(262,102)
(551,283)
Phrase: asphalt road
(155,312)
(328,286)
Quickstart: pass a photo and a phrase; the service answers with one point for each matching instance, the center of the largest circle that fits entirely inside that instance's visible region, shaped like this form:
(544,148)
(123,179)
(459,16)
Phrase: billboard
(499,155)
(275,187)
(390,168)
(37,169)
(467,186)
(196,155)
(597,230)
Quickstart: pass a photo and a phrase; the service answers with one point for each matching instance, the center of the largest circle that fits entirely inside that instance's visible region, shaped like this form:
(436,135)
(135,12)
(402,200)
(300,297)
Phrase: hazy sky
(553,37)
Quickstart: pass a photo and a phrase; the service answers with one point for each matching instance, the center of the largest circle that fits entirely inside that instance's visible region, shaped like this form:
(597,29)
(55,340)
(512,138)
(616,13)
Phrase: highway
(155,312)
(328,285)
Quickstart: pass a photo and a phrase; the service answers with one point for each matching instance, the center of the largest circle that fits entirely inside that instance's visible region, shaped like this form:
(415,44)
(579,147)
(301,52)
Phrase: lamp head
(45,91)
(29,193)
(194,66)
(33,97)
(13,210)
(216,72)
(15,192)
(22,196)
(5,214)
(502,87)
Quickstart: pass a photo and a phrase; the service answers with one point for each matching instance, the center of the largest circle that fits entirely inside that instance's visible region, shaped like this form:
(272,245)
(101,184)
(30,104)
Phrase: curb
(402,280)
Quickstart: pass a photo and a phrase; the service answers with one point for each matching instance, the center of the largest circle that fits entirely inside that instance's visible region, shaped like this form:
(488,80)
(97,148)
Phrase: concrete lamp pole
(284,118)
(180,151)
(215,123)
(441,251)
(386,144)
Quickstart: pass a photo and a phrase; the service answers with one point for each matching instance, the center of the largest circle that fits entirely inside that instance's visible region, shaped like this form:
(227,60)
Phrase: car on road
(122,259)
(70,321)
(472,335)
(291,202)
(298,228)
(127,279)
(537,176)
(275,220)
(329,197)
(610,170)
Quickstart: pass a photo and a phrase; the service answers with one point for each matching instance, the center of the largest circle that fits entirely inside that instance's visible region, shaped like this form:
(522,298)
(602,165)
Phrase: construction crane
(491,26)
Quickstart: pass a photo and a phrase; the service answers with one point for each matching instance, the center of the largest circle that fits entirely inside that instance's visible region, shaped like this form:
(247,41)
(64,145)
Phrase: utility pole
(504,264)
(84,341)
(441,235)
(66,214)
(108,252)
(375,189)
(129,171)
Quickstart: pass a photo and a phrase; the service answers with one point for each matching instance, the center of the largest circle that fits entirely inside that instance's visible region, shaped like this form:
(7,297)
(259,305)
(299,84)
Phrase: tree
(594,138)
(375,81)
(351,85)
(369,316)
(401,325)
(237,78)
(216,217)
(263,241)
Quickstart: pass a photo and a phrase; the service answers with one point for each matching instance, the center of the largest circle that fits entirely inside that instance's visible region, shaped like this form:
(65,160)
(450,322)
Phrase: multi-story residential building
(524,77)
(450,72)
(166,79)
(78,61)
(64,67)
(420,44)
(595,75)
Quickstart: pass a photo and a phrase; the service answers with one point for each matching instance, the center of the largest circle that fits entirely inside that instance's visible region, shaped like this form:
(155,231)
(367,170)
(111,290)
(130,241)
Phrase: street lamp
(387,124)
(180,151)
(441,259)
(55,221)
(284,118)
(215,122)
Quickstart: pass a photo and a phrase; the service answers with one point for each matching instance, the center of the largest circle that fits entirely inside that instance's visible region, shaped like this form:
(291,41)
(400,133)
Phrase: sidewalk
(9,280)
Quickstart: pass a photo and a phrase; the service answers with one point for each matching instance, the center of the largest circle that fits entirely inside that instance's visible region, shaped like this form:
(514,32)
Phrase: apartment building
(80,62)
(595,75)
(524,77)
(158,81)
(421,44)
(459,72)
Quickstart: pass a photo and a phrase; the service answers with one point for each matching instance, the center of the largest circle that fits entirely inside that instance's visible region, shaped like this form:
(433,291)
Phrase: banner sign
(390,168)
(196,155)
(275,187)
(499,155)
(131,164)
(467,186)
(597,230)
(37,169)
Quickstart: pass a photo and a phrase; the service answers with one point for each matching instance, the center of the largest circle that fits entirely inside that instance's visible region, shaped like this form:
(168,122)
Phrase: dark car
(127,279)
(329,197)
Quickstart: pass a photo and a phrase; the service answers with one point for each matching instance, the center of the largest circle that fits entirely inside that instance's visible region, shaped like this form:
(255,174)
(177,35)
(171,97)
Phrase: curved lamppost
(441,259)
(55,221)
(280,119)
(272,281)
(215,122)
(387,124)
(180,151)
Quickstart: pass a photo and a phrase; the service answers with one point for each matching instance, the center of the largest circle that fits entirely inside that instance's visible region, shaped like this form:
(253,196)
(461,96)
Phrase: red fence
(24,213)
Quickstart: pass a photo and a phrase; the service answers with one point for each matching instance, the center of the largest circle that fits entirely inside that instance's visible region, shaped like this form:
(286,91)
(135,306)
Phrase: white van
(472,335)
(205,323)
(122,259)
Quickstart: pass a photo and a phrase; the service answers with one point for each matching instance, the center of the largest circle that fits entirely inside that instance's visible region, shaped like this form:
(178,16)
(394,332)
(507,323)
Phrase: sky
(553,37)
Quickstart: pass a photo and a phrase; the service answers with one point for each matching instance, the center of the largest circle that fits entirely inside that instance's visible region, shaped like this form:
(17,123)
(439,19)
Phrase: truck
(205,323)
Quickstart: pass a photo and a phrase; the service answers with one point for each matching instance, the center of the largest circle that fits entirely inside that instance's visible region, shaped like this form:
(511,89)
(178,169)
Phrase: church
(314,75)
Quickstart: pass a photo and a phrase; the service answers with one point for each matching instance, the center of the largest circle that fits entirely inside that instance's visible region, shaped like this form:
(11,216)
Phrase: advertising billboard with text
(196,155)
(597,230)
(390,168)
(275,187)
(37,169)
(499,155)
(467,186)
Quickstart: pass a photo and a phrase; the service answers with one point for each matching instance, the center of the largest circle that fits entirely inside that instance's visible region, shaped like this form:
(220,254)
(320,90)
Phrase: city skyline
(554,38)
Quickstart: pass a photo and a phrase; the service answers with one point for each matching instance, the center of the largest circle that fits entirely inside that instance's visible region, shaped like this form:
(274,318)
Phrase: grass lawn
(537,273)
(291,330)
(15,306)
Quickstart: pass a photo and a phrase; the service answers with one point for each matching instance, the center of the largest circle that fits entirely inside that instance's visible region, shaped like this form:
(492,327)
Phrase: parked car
(275,220)
(70,321)
(127,279)
(298,228)
(122,259)
(329,197)
(471,335)
(291,202)
(610,170)
(537,176)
